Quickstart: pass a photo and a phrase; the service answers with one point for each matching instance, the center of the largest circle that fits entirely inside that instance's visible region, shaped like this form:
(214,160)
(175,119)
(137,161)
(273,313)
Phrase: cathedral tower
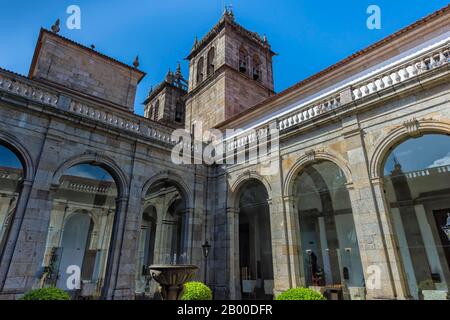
(230,70)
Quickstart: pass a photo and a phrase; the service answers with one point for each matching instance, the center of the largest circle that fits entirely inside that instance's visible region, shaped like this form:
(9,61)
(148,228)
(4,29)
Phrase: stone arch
(312,157)
(21,152)
(236,187)
(410,129)
(106,163)
(174,178)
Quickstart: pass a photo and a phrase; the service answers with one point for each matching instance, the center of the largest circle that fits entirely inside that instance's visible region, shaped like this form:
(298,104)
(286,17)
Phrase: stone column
(12,236)
(128,259)
(377,251)
(189,235)
(234,282)
(297,276)
(280,247)
(26,246)
(115,249)
(399,280)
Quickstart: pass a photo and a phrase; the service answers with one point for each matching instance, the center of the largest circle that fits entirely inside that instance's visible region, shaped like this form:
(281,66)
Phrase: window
(150,110)
(200,70)
(243,60)
(256,68)
(156,111)
(211,55)
(179,112)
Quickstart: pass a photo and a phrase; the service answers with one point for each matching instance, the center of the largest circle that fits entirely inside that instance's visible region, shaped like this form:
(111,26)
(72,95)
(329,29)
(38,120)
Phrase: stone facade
(354,123)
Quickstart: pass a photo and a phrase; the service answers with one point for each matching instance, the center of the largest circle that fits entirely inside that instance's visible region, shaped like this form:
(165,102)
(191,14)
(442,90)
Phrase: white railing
(402,73)
(309,112)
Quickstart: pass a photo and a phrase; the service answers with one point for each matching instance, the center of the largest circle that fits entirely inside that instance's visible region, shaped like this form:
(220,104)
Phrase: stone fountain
(172,278)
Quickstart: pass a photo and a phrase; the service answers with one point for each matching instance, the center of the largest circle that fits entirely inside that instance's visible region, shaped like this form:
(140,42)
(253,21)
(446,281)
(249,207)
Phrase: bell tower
(230,70)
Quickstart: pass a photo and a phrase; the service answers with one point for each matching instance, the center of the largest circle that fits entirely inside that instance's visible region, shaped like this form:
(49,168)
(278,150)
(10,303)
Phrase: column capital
(290,199)
(379,181)
(350,186)
(232,210)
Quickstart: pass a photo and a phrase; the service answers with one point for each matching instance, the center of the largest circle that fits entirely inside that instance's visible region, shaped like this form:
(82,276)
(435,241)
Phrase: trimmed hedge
(46,294)
(300,294)
(196,291)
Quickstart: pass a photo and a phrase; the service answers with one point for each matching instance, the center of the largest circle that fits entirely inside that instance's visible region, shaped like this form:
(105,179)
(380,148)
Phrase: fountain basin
(172,278)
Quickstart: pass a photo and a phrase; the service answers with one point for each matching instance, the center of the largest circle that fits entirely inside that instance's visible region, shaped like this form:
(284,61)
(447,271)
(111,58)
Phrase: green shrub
(46,294)
(196,291)
(300,294)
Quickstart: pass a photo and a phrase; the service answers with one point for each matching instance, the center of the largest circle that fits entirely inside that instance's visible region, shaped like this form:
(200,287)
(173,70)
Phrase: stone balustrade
(88,188)
(28,91)
(403,72)
(377,82)
(26,88)
(310,111)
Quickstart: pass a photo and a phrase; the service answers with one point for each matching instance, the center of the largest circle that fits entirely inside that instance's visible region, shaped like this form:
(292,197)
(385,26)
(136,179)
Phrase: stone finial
(93,46)
(228,11)
(178,72)
(136,62)
(265,39)
(55,27)
(195,42)
(150,91)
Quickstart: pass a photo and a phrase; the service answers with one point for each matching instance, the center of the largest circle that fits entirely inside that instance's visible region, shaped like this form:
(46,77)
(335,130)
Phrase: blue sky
(307,35)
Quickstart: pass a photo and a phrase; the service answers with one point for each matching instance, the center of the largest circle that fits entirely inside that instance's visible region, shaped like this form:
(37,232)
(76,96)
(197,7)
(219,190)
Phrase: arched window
(256,68)
(328,239)
(417,190)
(80,227)
(211,55)
(200,70)
(243,60)
(179,112)
(150,111)
(156,111)
(11,175)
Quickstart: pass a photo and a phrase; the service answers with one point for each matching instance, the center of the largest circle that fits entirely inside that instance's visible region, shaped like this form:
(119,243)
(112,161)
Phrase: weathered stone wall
(63,62)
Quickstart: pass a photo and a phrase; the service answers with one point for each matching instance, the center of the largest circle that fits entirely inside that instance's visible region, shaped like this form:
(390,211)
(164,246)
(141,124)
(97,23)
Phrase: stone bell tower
(230,70)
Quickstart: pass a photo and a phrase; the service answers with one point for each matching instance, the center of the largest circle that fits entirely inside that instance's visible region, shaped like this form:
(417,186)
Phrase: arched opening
(179,112)
(243,60)
(417,190)
(211,56)
(164,233)
(156,111)
(330,251)
(200,70)
(255,242)
(79,231)
(11,176)
(256,68)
